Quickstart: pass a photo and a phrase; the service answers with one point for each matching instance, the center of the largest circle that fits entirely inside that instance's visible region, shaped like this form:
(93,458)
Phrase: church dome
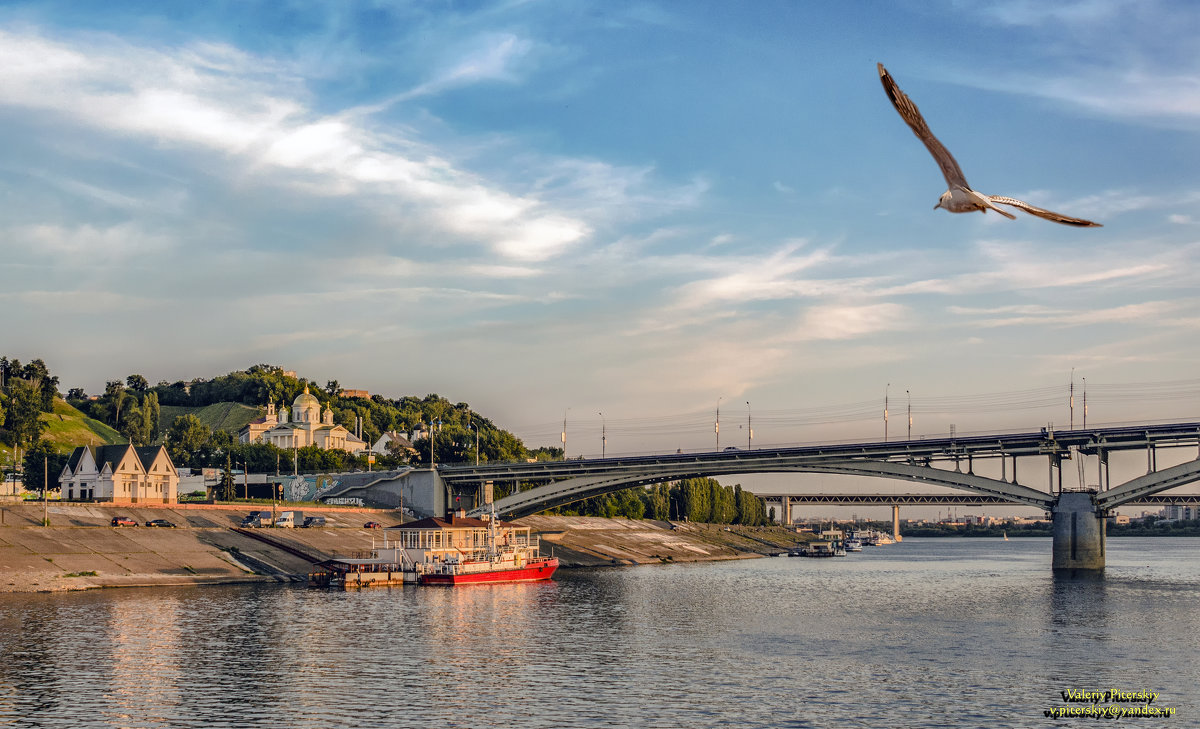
(305,400)
(306,407)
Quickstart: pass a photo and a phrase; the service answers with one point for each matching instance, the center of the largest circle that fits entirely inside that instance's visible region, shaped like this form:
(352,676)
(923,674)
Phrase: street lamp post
(1071,398)
(476,427)
(749,427)
(1085,402)
(909,394)
(717,425)
(245,481)
(885,411)
(564,434)
(603,435)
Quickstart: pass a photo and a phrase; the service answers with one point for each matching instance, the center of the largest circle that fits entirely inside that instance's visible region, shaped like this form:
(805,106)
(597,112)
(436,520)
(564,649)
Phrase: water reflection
(926,633)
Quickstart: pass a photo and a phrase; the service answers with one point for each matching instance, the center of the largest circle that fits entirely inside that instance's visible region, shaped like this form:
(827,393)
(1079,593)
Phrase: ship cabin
(457,538)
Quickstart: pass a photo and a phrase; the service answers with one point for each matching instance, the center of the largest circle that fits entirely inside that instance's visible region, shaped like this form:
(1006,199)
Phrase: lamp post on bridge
(909,394)
(603,435)
(885,411)
(749,428)
(717,425)
(1071,398)
(476,427)
(564,433)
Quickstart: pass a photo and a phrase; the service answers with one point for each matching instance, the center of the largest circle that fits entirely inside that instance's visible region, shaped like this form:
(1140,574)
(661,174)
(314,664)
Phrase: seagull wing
(1043,213)
(912,116)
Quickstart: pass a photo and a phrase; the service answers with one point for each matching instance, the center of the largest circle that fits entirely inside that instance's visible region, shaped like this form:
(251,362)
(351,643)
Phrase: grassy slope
(229,416)
(66,428)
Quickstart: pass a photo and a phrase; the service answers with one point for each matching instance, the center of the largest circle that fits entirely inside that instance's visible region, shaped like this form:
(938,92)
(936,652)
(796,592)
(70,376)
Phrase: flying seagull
(960,198)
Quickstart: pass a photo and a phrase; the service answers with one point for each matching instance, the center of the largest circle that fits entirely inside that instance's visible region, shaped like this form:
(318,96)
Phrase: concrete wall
(423,491)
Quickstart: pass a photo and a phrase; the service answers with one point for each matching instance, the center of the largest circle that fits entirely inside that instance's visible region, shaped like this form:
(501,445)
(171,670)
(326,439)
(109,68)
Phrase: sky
(621,215)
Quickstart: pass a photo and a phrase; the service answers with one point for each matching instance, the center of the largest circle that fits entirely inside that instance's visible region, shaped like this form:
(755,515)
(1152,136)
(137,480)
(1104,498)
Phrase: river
(926,633)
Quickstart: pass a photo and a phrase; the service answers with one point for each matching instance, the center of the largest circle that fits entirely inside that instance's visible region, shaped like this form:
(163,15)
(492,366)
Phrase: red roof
(447,522)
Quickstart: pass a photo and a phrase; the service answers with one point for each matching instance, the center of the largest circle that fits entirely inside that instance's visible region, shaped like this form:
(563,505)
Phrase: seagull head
(943,200)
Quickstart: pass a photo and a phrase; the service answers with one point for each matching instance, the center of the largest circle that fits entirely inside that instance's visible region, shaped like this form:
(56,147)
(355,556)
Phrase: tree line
(691,499)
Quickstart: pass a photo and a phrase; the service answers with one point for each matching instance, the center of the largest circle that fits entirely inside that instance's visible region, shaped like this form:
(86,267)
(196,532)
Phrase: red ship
(455,550)
(460,550)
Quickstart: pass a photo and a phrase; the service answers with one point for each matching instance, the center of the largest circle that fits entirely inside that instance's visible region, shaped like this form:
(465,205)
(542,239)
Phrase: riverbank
(80,550)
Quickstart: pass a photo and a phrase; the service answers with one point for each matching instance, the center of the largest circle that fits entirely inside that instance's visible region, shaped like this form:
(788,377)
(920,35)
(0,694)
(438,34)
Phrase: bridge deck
(924,451)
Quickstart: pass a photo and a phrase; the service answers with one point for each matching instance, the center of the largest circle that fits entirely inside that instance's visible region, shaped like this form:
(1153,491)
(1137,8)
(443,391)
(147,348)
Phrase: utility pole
(45,490)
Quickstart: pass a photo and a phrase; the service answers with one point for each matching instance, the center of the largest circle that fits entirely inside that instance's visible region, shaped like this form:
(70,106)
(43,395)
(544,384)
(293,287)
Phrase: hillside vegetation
(66,428)
(227,416)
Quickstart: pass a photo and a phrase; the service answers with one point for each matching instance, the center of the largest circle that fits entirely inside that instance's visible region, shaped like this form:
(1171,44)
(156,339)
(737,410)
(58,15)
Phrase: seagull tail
(985,204)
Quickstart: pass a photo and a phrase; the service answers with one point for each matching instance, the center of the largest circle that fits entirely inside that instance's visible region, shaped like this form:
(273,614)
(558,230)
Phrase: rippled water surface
(954,633)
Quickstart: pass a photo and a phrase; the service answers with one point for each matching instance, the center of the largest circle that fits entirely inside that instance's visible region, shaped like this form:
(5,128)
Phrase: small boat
(854,545)
(1006,536)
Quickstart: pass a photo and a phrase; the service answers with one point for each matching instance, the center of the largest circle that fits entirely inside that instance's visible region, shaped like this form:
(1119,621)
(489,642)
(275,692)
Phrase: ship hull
(532,572)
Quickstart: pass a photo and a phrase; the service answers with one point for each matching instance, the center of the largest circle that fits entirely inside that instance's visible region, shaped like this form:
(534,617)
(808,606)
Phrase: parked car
(257,519)
(372,525)
(123,521)
(159,523)
(314,521)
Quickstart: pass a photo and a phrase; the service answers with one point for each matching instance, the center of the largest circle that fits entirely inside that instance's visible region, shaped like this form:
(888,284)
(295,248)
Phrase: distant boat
(1006,535)
(820,548)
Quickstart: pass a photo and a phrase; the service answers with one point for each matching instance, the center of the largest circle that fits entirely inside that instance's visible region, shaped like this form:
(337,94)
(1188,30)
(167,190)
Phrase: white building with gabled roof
(120,473)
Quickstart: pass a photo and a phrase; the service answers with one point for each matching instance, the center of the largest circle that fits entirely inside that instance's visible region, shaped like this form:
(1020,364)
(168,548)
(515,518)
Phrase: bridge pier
(896,522)
(1079,532)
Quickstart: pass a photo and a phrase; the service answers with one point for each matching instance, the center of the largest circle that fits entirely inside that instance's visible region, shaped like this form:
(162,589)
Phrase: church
(308,426)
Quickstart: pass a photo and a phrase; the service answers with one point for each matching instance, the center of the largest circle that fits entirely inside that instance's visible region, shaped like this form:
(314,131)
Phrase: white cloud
(490,57)
(215,98)
(852,321)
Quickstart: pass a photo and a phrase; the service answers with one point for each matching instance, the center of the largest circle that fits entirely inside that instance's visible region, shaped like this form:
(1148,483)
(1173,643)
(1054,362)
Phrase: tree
(226,486)
(137,383)
(114,399)
(76,393)
(150,411)
(185,439)
(23,419)
(333,387)
(43,465)
(659,502)
(630,504)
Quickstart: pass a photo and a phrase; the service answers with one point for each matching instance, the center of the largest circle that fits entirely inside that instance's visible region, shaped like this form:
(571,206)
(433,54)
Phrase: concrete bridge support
(896,522)
(1079,532)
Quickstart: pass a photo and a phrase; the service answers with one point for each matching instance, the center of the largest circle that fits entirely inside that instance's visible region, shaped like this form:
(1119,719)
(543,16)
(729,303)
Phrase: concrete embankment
(81,550)
(593,541)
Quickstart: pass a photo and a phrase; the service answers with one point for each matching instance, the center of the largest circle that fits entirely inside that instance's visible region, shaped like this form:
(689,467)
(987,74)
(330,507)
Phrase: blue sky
(552,209)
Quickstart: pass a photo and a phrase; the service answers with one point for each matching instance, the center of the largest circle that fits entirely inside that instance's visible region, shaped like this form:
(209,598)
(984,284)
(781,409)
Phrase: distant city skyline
(633,208)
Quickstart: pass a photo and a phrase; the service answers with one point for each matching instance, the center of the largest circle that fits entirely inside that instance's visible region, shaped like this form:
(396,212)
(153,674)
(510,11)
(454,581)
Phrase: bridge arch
(566,491)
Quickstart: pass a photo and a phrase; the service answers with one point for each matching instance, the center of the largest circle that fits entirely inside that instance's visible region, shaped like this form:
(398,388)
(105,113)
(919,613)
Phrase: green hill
(67,428)
(228,416)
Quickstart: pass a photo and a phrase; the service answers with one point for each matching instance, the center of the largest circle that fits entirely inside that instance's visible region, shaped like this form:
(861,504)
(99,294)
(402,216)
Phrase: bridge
(1078,515)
